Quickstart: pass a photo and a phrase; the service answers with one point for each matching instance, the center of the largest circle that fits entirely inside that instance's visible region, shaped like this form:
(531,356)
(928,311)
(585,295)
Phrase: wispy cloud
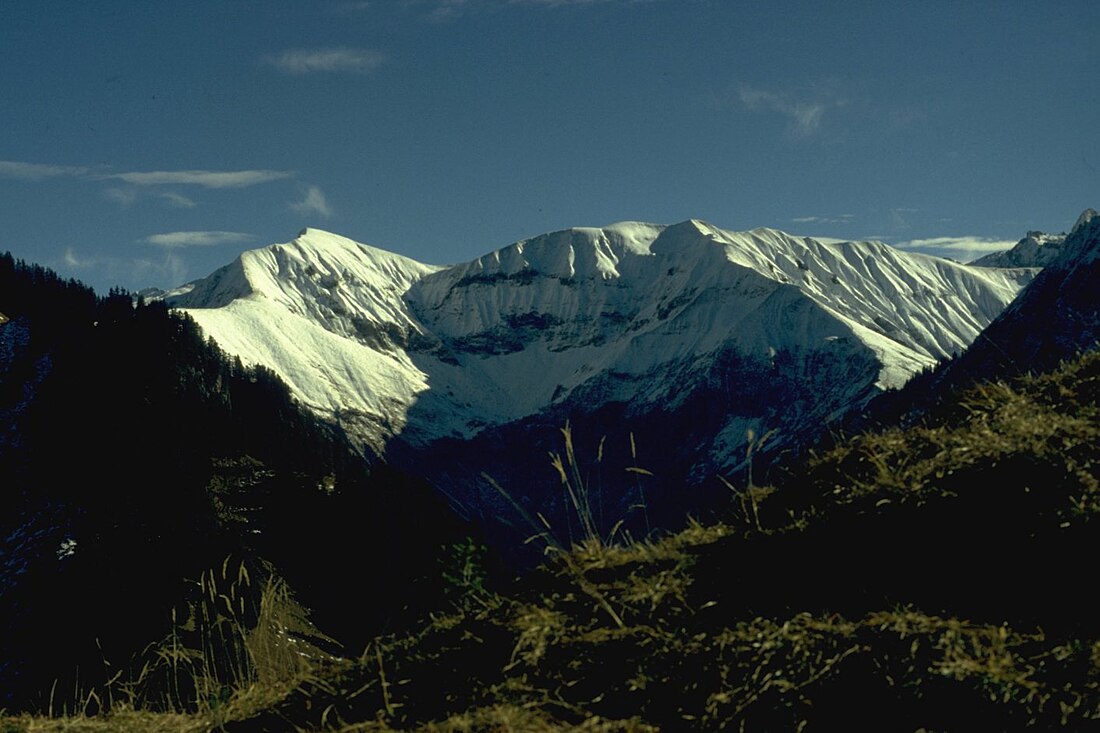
(124,197)
(447,9)
(206,179)
(837,219)
(73,260)
(559,3)
(900,216)
(442,10)
(177,240)
(168,270)
(959,248)
(300,61)
(35,172)
(178,200)
(165,270)
(804,113)
(313,202)
(38,171)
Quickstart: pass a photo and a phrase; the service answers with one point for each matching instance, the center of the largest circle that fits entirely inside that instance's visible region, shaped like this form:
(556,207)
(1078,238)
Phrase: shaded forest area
(135,454)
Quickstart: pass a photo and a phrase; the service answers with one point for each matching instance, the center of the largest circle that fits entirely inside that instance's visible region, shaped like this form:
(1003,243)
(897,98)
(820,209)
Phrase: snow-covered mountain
(1054,318)
(713,331)
(1037,249)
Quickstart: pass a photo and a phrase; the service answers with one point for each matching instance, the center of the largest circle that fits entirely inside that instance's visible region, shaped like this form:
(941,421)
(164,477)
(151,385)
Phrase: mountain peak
(1037,249)
(311,237)
(309,234)
(695,226)
(310,267)
(315,231)
(1052,319)
(1086,218)
(687,236)
(1083,242)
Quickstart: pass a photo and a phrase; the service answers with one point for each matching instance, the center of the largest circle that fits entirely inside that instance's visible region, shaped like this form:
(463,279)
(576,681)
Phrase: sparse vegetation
(919,578)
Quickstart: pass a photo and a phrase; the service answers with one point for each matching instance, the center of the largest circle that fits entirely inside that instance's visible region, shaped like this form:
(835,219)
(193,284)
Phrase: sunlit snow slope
(636,313)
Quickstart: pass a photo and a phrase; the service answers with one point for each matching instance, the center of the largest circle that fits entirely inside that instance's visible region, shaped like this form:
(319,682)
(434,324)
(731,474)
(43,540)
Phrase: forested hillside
(135,455)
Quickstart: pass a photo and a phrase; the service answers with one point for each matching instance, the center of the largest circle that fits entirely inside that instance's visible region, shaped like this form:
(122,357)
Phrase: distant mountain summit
(688,336)
(1055,317)
(1034,250)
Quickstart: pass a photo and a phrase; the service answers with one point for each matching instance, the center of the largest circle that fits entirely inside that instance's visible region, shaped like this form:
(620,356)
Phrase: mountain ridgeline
(135,454)
(668,348)
(1053,319)
(336,417)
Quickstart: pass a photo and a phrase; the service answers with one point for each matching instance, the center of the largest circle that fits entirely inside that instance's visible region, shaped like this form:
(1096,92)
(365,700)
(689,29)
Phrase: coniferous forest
(135,455)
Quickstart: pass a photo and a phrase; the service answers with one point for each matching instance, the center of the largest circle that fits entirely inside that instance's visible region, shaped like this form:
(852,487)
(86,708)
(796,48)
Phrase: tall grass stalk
(582,502)
(752,495)
(634,469)
(576,489)
(230,645)
(584,508)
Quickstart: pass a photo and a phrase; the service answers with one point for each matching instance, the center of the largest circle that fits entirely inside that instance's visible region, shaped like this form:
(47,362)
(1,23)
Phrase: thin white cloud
(128,195)
(900,216)
(38,171)
(559,3)
(313,202)
(963,249)
(443,10)
(838,219)
(178,200)
(170,269)
(124,197)
(177,240)
(804,115)
(206,179)
(73,260)
(447,9)
(300,61)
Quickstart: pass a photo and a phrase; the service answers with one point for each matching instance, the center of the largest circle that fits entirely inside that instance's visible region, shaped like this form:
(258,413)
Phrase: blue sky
(146,143)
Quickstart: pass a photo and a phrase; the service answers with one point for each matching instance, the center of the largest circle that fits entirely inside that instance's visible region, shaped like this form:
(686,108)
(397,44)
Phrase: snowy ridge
(1035,250)
(1082,243)
(324,277)
(633,312)
(326,314)
(1054,318)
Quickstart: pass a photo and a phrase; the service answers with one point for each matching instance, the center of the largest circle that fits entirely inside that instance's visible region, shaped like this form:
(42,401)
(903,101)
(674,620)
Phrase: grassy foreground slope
(937,578)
